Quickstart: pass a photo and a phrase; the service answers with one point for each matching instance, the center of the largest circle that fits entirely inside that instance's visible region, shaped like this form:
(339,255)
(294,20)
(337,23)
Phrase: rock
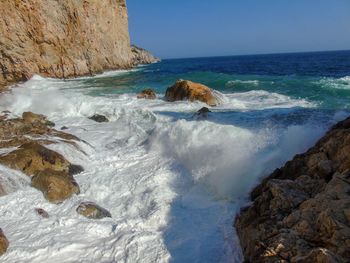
(64,128)
(203,112)
(4,243)
(41,212)
(30,117)
(142,56)
(99,118)
(62,39)
(147,94)
(188,90)
(56,186)
(32,158)
(301,212)
(92,211)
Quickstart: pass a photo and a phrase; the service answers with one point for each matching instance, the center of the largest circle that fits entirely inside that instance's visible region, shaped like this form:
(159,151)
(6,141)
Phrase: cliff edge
(301,212)
(62,39)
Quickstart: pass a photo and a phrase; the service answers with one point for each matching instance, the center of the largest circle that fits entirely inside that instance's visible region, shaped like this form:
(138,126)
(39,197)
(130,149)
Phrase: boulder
(301,212)
(56,186)
(147,94)
(188,90)
(32,157)
(99,118)
(4,243)
(92,211)
(203,112)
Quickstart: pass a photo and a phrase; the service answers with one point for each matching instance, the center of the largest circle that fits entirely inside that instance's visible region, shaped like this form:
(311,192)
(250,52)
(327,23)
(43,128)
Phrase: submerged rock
(301,212)
(92,210)
(4,243)
(56,186)
(99,118)
(41,212)
(203,112)
(188,90)
(147,94)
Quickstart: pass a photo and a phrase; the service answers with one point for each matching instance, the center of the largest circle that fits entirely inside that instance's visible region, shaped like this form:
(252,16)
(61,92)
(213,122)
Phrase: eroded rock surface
(147,94)
(142,56)
(188,90)
(301,212)
(4,243)
(62,38)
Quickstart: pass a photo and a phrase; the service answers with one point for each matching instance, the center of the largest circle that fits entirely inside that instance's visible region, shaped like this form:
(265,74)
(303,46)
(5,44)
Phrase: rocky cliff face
(142,56)
(301,212)
(62,39)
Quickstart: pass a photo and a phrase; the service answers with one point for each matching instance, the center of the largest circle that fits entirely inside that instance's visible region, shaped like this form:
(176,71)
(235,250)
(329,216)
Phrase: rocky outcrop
(99,118)
(4,243)
(50,172)
(188,90)
(92,211)
(62,38)
(147,94)
(301,212)
(142,56)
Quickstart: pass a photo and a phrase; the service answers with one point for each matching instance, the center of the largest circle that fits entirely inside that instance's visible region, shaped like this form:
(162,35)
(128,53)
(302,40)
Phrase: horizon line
(260,54)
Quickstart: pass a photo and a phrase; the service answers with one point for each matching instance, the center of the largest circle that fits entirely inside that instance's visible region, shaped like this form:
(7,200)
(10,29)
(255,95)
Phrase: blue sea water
(172,182)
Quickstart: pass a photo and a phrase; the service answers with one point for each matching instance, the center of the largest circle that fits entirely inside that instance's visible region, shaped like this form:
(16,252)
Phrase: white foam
(335,83)
(172,184)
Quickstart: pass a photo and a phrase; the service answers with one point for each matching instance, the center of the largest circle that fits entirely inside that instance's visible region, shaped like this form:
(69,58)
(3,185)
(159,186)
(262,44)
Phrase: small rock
(92,211)
(75,169)
(203,112)
(147,94)
(64,128)
(56,186)
(4,243)
(41,212)
(99,118)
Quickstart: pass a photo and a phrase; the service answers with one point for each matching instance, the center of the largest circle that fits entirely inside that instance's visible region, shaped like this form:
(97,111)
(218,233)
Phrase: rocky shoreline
(301,212)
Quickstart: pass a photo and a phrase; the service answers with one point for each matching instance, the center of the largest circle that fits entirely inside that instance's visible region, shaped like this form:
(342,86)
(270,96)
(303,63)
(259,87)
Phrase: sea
(172,180)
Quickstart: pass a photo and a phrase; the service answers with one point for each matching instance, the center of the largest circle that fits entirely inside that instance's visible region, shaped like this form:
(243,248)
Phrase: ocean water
(172,182)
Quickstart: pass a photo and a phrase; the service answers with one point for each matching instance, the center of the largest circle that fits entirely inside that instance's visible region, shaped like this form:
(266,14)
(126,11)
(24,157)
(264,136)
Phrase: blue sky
(197,28)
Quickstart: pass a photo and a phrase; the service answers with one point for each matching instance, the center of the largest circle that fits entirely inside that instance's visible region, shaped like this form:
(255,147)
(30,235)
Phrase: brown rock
(56,186)
(92,211)
(30,117)
(188,90)
(41,212)
(4,243)
(300,213)
(62,38)
(147,94)
(32,157)
(142,56)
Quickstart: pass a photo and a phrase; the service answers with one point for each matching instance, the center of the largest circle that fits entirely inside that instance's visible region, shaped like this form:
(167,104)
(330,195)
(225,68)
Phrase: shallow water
(172,182)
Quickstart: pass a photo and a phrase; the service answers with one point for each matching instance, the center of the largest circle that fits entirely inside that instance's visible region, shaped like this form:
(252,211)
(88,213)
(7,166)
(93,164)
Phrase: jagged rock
(4,243)
(92,211)
(301,212)
(62,38)
(32,158)
(56,186)
(188,90)
(30,117)
(142,56)
(99,118)
(41,212)
(203,112)
(147,94)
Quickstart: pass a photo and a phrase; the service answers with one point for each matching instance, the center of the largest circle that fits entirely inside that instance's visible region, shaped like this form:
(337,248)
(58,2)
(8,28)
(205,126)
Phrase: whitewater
(172,181)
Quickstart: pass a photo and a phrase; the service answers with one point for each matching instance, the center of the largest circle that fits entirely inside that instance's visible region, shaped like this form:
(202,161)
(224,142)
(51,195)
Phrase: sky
(203,28)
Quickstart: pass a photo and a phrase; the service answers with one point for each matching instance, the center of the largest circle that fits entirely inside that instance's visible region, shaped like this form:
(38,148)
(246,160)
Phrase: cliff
(62,39)
(142,56)
(301,212)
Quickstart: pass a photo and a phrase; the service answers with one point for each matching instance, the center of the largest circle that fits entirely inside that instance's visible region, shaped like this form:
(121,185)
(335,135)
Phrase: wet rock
(99,118)
(147,94)
(188,90)
(64,128)
(56,186)
(301,212)
(4,243)
(75,169)
(202,113)
(30,117)
(32,157)
(92,210)
(41,212)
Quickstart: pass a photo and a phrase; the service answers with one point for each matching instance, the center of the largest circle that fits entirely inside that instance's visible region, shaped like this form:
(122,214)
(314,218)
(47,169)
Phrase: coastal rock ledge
(301,212)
